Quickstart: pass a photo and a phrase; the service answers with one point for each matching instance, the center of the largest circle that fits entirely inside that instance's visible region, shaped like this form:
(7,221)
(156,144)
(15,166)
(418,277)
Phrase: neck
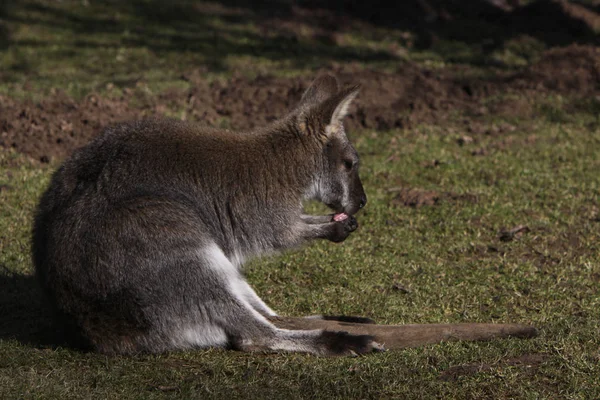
(256,185)
(289,160)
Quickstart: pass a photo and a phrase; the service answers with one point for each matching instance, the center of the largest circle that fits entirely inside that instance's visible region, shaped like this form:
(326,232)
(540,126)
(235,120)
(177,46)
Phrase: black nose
(363,201)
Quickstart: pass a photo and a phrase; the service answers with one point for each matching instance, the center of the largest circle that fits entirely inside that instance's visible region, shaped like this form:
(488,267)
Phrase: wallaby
(140,238)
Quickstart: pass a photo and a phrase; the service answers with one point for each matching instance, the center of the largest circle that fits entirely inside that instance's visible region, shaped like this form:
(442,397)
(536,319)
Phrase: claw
(378,347)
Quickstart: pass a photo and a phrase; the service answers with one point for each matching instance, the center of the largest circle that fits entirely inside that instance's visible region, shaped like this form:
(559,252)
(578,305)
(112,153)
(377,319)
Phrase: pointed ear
(332,111)
(320,90)
(344,99)
(324,117)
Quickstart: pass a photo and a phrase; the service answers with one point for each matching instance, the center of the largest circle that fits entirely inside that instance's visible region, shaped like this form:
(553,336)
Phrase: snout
(355,206)
(363,201)
(358,197)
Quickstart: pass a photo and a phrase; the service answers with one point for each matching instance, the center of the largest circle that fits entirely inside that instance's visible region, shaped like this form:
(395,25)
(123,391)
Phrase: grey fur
(140,237)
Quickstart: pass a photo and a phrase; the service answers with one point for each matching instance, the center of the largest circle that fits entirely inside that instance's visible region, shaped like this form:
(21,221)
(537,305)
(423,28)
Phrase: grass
(448,260)
(118,44)
(113,45)
(439,263)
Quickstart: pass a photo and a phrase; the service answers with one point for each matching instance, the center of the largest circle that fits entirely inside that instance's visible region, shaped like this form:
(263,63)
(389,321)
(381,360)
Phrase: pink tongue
(340,217)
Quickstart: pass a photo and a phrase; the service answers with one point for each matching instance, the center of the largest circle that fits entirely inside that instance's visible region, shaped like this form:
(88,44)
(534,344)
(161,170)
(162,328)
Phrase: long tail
(413,335)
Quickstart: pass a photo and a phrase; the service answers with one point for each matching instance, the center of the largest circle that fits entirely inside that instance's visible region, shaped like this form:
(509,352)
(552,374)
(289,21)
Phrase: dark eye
(348,164)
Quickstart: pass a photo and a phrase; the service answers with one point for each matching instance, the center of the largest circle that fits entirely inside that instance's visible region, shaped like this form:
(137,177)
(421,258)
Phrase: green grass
(112,45)
(448,257)
(441,263)
(120,44)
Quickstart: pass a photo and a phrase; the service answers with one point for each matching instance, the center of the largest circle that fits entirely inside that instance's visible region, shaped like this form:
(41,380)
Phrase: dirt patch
(387,100)
(531,361)
(56,125)
(53,127)
(573,69)
(412,197)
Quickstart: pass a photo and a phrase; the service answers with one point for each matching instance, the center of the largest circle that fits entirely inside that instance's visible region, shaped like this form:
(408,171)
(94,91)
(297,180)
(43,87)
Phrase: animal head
(320,117)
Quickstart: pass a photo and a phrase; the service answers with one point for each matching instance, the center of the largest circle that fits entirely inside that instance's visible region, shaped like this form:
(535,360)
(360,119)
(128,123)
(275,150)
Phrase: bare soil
(52,127)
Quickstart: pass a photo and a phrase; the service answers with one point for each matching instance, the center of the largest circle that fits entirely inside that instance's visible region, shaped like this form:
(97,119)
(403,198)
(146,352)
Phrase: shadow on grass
(277,29)
(4,33)
(25,315)
(474,21)
(180,27)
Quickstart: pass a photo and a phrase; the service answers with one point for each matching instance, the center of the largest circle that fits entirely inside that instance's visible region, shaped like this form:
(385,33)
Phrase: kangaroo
(140,238)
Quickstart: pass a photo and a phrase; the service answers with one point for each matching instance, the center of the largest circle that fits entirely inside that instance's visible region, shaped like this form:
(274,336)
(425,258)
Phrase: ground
(479,132)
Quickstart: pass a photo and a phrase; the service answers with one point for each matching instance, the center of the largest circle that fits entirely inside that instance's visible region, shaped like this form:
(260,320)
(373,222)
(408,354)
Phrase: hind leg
(252,298)
(234,312)
(248,330)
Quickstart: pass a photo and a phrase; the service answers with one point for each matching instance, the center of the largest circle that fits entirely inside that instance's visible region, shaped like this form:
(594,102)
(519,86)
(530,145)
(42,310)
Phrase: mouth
(340,212)
(337,208)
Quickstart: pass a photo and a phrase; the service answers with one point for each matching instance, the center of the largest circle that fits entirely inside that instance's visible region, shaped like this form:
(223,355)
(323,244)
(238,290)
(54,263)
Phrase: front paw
(342,229)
